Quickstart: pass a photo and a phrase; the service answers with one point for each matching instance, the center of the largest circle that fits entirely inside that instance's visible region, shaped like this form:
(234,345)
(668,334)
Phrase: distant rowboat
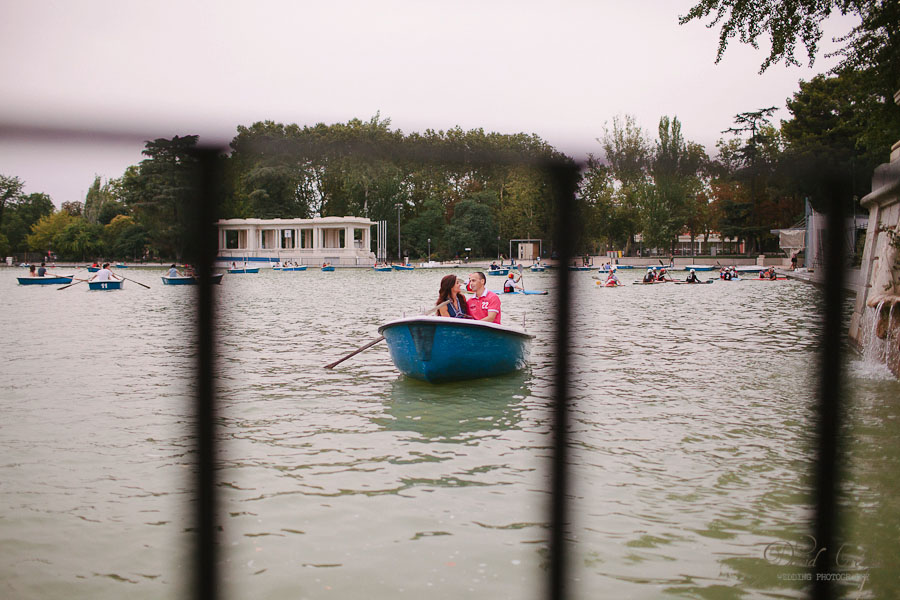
(402,267)
(46,280)
(300,268)
(382,269)
(236,271)
(498,272)
(215,278)
(537,268)
(437,349)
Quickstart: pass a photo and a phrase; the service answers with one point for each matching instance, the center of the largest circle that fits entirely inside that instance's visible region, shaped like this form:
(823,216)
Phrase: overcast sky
(561,70)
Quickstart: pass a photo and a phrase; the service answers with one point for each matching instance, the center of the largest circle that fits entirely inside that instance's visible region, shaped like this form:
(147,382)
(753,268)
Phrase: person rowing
(771,273)
(692,277)
(104,274)
(650,277)
(663,275)
(725,274)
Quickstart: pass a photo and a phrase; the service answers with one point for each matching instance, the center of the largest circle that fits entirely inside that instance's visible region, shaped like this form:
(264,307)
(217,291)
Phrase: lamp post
(399,258)
(429,249)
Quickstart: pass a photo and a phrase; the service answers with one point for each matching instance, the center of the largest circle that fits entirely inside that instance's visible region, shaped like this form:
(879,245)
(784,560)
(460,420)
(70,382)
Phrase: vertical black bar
(827,480)
(564,179)
(204,247)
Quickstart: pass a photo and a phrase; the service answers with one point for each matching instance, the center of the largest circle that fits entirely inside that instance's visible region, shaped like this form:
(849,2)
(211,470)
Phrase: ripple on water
(689,449)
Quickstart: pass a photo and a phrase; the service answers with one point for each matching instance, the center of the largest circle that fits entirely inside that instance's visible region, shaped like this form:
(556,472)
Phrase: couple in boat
(484,305)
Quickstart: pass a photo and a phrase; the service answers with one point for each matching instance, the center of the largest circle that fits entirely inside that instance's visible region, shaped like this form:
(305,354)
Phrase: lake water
(690,455)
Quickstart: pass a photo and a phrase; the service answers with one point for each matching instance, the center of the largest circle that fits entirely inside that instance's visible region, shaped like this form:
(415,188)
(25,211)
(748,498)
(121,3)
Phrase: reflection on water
(690,431)
(456,412)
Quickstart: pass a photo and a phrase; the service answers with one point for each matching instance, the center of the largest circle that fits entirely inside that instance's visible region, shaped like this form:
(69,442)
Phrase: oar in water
(375,341)
(77,281)
(137,282)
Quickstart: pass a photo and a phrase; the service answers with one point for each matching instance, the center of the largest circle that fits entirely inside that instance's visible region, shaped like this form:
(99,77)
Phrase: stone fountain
(875,325)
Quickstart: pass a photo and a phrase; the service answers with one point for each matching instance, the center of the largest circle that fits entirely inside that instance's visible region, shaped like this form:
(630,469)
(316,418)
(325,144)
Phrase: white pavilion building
(341,241)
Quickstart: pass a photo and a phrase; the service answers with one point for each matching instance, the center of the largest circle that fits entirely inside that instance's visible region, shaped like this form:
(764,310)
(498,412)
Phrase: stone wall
(876,316)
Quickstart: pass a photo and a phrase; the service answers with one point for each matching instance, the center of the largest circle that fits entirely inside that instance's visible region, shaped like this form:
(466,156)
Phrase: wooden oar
(137,282)
(71,284)
(375,341)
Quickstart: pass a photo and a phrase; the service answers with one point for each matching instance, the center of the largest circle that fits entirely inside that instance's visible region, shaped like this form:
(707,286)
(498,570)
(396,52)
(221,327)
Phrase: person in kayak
(612,278)
(771,273)
(484,305)
(663,275)
(451,289)
(692,278)
(649,277)
(509,286)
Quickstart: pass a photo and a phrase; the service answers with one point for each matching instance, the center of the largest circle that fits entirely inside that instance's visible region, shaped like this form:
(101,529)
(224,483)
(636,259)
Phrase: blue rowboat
(300,268)
(498,272)
(121,266)
(328,268)
(112,284)
(46,280)
(402,267)
(537,269)
(437,349)
(523,292)
(93,269)
(216,278)
(253,270)
(382,269)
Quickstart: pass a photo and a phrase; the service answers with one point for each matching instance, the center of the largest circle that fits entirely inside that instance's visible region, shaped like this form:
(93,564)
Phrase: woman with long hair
(456,301)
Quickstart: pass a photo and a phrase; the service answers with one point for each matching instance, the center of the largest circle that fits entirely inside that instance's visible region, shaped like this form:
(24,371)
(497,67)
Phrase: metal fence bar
(204,248)
(827,465)
(564,179)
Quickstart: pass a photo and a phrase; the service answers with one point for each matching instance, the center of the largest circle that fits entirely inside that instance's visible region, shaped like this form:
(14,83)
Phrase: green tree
(44,232)
(78,239)
(160,193)
(21,215)
(10,190)
(124,238)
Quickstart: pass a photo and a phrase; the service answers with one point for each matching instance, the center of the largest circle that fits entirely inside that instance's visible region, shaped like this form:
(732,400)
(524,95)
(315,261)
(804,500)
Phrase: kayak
(767,279)
(437,349)
(693,283)
(525,292)
(609,284)
(651,282)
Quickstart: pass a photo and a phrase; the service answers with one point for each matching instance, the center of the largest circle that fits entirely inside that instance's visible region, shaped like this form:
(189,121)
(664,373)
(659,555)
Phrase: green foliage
(124,239)
(78,240)
(21,214)
(100,204)
(44,232)
(10,190)
(782,22)
(160,192)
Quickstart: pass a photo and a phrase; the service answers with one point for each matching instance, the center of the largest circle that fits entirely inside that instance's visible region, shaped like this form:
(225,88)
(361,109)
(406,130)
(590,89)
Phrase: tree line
(489,187)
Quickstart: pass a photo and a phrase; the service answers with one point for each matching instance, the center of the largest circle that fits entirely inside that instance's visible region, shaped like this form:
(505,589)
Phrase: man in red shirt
(484,305)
